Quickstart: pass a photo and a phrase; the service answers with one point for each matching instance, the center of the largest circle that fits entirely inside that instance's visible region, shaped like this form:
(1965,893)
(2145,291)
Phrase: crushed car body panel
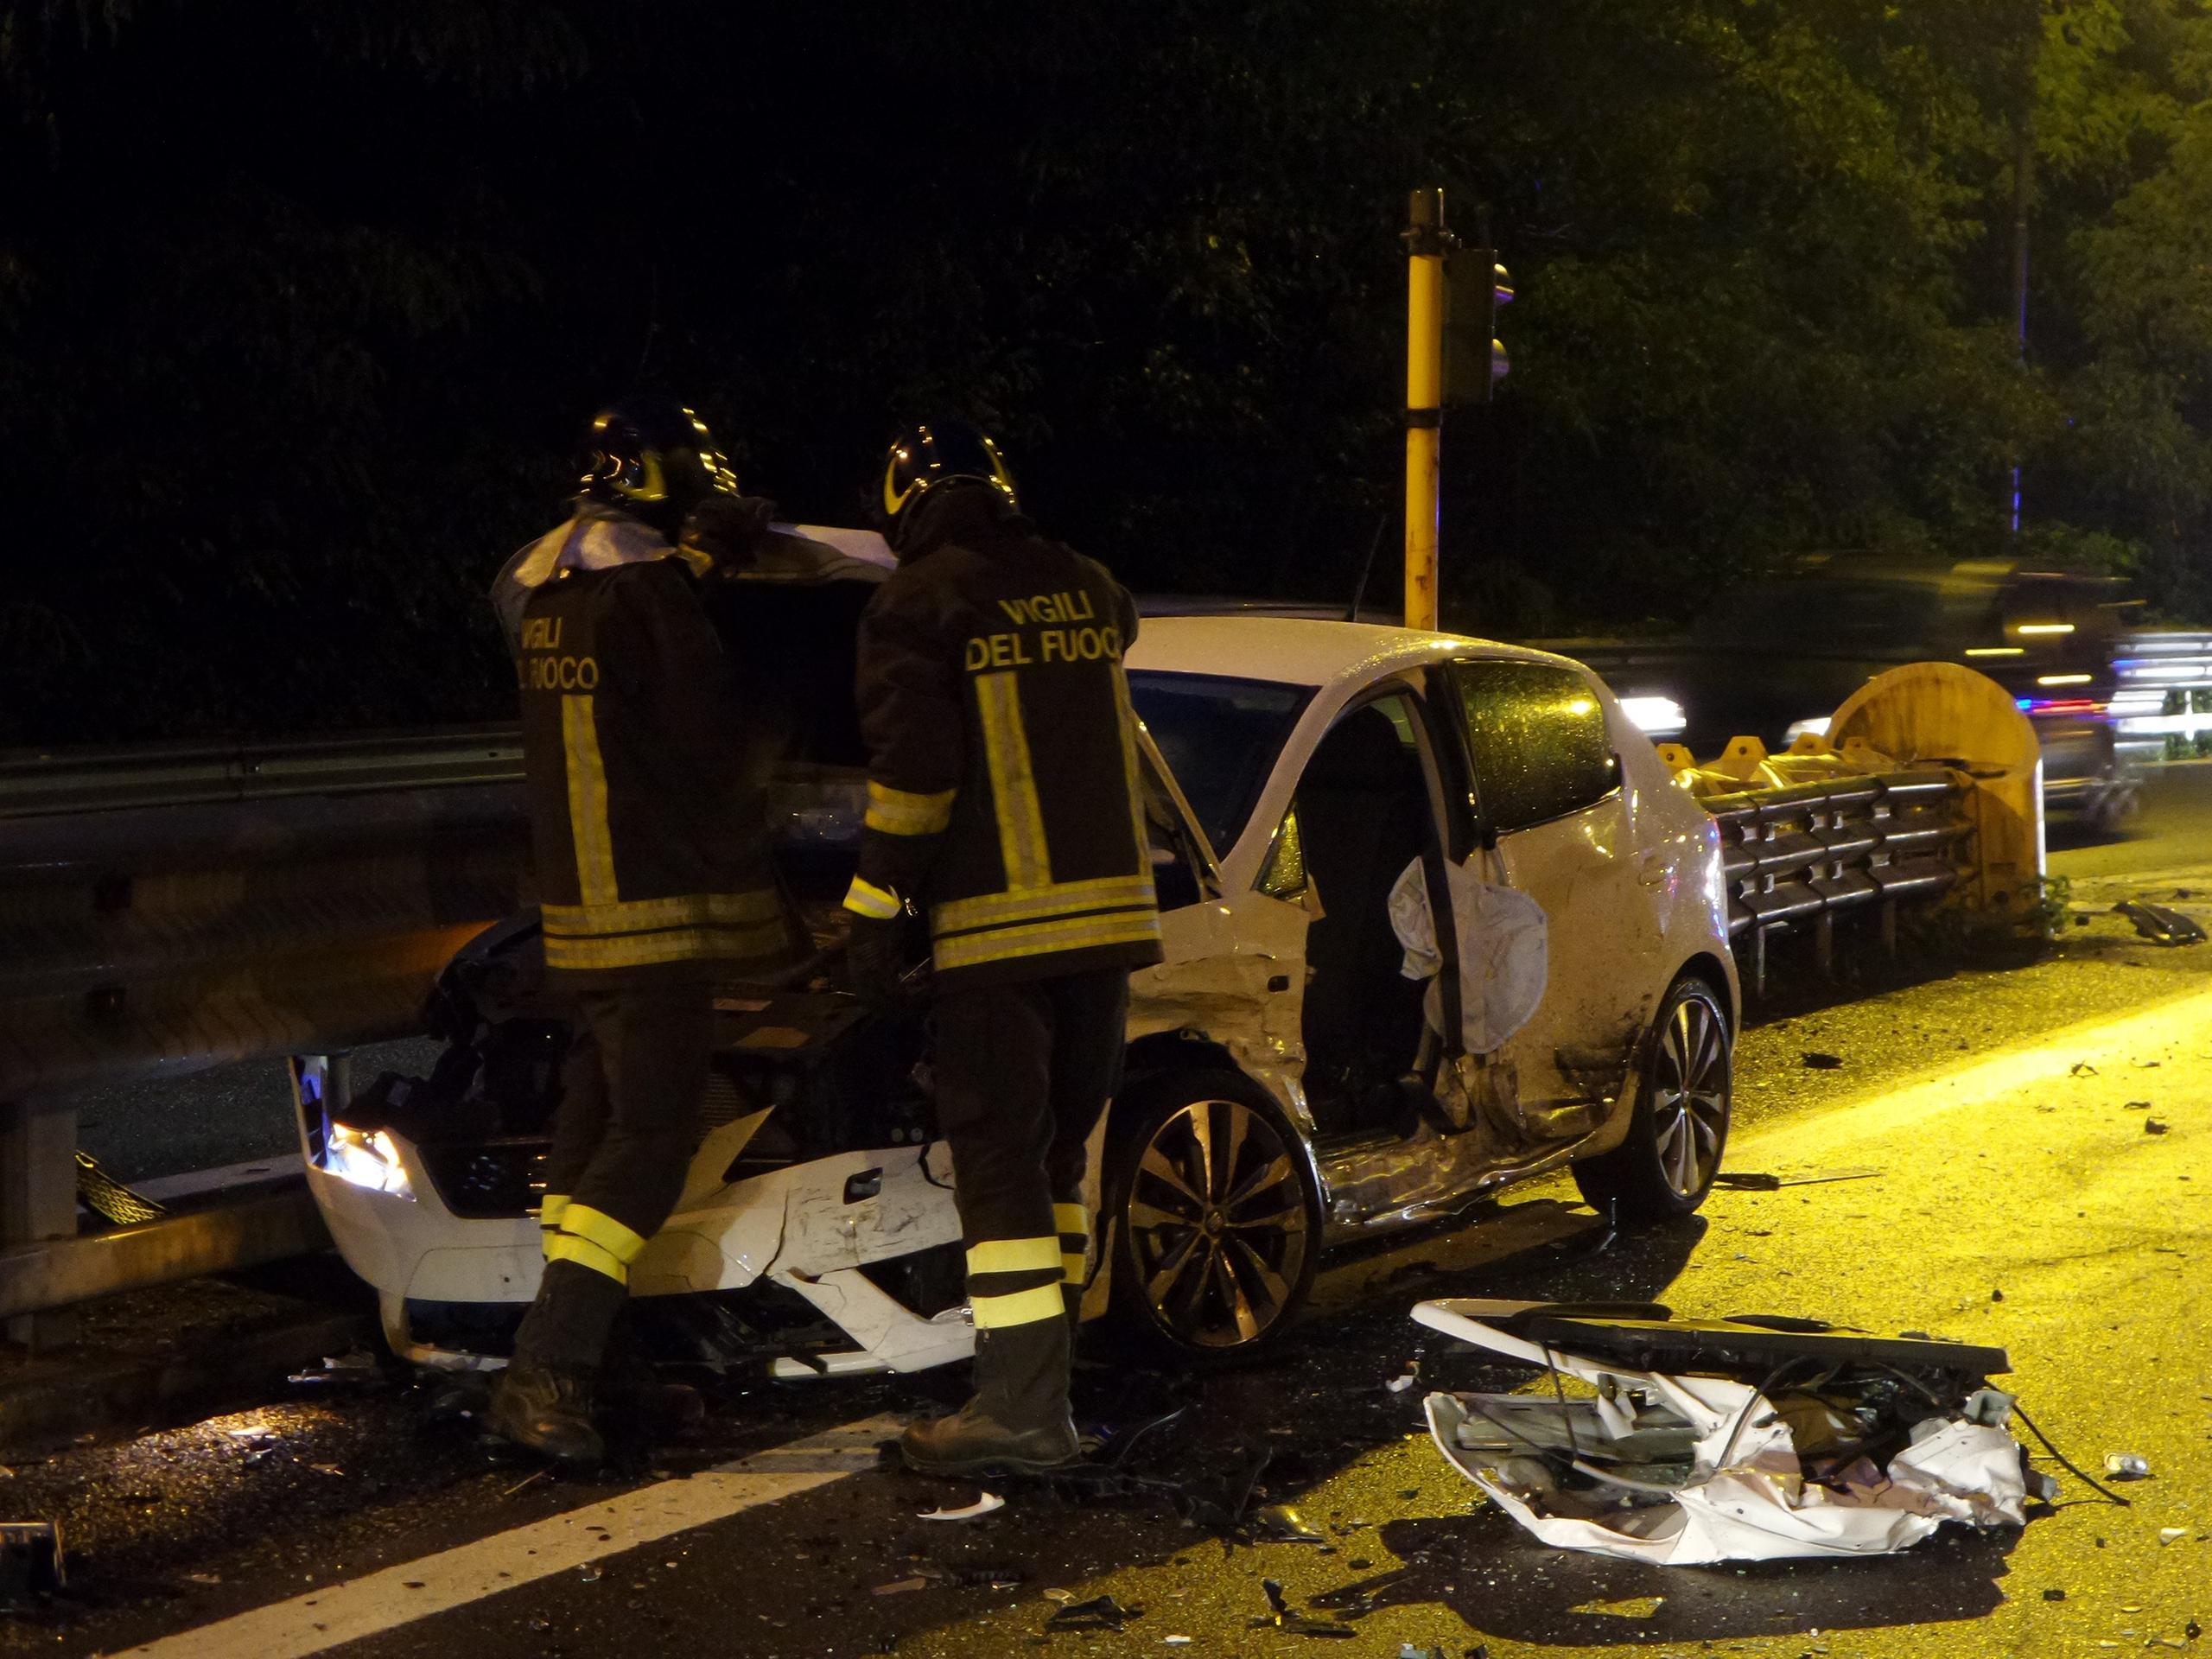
(1754,1443)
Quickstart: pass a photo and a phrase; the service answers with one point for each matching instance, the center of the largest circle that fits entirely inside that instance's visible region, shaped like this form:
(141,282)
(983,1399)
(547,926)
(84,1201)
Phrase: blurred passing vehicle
(1773,658)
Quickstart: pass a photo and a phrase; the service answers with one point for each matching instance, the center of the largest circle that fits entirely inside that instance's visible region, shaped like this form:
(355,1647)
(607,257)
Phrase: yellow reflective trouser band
(1014,1256)
(1035,904)
(902,813)
(567,1247)
(1013,783)
(1047,938)
(1074,1222)
(581,1221)
(587,824)
(866,898)
(550,1210)
(1021,1307)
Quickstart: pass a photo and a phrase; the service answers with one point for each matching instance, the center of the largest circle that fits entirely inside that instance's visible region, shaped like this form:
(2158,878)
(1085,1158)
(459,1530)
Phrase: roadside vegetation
(292,357)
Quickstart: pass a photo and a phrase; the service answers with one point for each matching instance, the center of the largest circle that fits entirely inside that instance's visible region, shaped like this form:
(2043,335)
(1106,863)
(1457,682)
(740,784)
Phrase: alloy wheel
(1689,1096)
(1216,1223)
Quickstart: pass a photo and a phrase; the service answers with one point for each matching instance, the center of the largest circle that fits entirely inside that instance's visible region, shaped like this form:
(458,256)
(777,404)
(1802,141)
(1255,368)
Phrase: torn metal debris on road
(1750,1438)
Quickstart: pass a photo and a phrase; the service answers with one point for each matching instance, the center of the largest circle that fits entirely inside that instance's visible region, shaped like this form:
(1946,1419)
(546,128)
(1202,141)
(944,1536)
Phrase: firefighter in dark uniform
(1004,799)
(652,865)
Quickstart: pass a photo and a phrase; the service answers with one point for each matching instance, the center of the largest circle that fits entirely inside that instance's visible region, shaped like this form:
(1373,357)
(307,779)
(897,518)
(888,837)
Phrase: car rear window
(1220,738)
(1537,735)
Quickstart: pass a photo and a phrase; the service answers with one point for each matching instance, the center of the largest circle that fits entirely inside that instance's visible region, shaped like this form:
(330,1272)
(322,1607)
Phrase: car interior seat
(1364,814)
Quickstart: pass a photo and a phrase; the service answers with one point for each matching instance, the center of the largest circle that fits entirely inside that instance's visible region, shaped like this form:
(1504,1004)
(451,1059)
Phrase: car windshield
(1220,738)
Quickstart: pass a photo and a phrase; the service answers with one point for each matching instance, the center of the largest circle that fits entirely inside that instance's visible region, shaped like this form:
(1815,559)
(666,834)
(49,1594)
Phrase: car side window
(1536,735)
(1283,876)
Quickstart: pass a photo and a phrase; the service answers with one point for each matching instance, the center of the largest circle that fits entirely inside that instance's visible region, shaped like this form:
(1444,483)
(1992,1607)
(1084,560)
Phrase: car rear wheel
(1215,1215)
(1679,1125)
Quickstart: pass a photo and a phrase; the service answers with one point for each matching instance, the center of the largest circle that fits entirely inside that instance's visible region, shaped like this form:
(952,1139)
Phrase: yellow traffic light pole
(1427,243)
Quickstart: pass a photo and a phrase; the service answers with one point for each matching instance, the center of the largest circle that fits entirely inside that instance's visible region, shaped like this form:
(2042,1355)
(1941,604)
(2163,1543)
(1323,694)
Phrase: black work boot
(1018,1423)
(546,1409)
(630,1388)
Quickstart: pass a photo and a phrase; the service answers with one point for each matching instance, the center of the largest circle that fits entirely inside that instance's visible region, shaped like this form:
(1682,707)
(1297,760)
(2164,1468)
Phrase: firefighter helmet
(655,459)
(939,452)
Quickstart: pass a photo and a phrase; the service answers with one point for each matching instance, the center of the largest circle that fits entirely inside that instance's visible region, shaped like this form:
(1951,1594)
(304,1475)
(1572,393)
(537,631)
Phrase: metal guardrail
(38,784)
(1804,853)
(165,909)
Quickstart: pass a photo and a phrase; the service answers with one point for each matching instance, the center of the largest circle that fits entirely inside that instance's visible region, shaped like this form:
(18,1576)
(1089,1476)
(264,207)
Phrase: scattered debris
(900,1586)
(203,1578)
(2172,1534)
(1282,1616)
(983,1505)
(591,1573)
(2081,1069)
(1279,1523)
(1815,1062)
(531,1478)
(1731,1440)
(2054,1595)
(1099,1613)
(2127,1465)
(1404,1380)
(1633,1607)
(2135,1106)
(31,1558)
(1757,1181)
(2159,925)
(1174,1641)
(2154,1126)
(1358,1600)
(1407,1650)
(358,1366)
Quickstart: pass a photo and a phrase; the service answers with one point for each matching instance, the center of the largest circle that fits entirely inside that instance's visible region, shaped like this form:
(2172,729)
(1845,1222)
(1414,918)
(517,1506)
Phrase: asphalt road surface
(2020,1200)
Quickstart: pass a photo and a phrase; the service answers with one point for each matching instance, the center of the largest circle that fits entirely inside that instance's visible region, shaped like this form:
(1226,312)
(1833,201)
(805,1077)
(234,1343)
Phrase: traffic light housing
(1477,288)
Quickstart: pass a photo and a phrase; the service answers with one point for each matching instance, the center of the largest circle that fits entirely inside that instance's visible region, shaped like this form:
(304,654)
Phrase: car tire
(1679,1126)
(1214,1218)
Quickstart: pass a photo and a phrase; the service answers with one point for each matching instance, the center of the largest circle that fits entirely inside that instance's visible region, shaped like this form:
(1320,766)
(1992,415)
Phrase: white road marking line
(322,1619)
(2108,1042)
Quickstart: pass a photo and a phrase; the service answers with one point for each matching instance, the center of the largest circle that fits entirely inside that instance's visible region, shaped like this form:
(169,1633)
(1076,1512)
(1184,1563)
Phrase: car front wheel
(1680,1124)
(1215,1214)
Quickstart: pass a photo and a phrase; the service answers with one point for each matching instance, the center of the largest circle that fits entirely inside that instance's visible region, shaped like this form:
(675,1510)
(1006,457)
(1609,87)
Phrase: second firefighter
(1004,799)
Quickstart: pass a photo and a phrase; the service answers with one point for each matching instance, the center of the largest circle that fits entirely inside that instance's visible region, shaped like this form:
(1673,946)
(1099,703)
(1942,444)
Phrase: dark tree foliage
(302,304)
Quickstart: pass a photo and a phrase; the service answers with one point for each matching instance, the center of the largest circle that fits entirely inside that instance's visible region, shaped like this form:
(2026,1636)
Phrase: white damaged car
(1318,791)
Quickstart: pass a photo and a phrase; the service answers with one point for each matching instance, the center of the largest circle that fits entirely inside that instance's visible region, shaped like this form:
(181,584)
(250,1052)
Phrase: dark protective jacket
(1003,786)
(646,800)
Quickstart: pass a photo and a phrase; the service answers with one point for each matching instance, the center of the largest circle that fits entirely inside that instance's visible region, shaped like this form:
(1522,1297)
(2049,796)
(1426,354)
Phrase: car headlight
(1656,716)
(367,1158)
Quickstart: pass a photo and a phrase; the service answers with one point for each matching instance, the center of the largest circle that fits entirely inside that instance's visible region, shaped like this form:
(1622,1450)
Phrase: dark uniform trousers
(655,880)
(1005,789)
(1023,1072)
(623,1140)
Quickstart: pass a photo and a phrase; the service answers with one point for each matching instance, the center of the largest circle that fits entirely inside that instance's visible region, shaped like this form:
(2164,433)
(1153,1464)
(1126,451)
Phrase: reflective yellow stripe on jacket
(723,926)
(587,824)
(1013,781)
(902,813)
